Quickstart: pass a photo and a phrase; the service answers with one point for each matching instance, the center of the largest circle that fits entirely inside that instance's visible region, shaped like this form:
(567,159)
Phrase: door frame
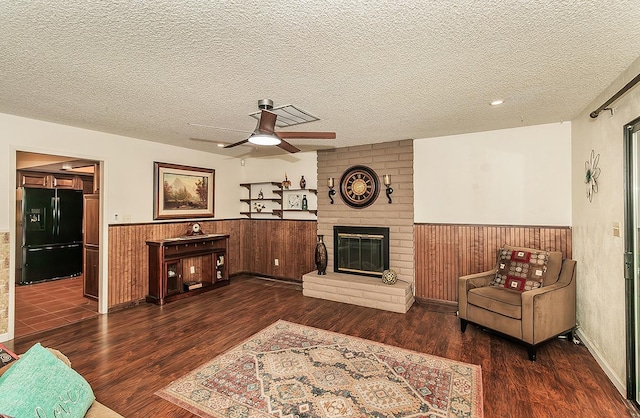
(103,299)
(630,259)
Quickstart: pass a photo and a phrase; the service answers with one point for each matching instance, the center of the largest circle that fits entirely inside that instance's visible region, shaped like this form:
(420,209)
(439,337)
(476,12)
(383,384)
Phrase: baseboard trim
(268,276)
(620,385)
(437,305)
(125,305)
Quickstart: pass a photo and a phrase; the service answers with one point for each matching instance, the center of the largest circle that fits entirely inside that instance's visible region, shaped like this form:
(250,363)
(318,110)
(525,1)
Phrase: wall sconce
(331,186)
(387,182)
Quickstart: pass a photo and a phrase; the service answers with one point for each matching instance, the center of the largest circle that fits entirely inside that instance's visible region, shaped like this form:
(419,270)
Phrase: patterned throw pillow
(521,270)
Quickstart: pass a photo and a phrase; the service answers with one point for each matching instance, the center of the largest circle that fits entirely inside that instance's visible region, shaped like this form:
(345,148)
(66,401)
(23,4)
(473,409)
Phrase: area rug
(289,370)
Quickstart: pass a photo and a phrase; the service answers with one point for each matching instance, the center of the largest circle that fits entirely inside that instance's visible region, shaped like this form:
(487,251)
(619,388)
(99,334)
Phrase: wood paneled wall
(253,245)
(292,242)
(444,252)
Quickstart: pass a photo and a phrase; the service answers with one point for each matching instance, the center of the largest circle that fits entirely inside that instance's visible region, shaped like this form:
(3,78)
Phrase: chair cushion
(521,269)
(497,299)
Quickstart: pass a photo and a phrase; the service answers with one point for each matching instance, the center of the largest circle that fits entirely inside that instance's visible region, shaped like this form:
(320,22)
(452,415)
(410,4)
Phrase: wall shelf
(274,197)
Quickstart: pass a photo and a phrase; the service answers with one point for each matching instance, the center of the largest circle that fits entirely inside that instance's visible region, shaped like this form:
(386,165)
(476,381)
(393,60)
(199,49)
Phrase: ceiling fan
(265,133)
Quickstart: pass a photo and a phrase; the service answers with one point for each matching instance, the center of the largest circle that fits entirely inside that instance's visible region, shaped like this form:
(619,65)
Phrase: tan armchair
(532,316)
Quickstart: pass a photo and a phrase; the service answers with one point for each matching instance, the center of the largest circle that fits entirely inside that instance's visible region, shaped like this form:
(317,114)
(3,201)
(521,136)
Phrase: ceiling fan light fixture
(264,139)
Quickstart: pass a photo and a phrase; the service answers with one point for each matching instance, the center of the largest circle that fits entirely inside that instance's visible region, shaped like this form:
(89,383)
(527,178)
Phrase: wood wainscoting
(444,252)
(253,246)
(292,242)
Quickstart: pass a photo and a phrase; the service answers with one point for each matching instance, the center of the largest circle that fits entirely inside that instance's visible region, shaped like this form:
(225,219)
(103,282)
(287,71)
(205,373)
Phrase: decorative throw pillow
(521,270)
(40,385)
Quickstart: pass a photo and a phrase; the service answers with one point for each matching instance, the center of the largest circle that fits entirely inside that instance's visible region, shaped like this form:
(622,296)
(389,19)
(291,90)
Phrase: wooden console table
(186,266)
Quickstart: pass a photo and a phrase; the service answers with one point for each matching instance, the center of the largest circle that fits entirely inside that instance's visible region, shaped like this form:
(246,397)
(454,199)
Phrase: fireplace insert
(361,250)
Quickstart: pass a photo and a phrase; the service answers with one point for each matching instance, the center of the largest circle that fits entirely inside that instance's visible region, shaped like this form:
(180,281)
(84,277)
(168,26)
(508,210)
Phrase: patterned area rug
(290,370)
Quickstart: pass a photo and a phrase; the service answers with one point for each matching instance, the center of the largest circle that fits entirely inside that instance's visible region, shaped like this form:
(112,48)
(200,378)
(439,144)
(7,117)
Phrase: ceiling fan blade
(287,147)
(307,135)
(236,144)
(267,122)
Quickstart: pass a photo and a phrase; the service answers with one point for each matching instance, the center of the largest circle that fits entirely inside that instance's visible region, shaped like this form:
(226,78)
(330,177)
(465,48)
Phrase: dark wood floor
(126,356)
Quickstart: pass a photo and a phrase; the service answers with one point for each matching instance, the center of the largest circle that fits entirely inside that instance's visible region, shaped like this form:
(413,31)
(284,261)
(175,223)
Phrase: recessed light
(497,102)
(220,145)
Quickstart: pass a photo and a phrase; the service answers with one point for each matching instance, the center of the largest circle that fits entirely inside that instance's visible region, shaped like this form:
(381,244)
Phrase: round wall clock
(359,186)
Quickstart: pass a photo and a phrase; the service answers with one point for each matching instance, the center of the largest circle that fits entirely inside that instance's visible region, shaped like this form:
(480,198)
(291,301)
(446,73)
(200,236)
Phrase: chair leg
(463,324)
(532,350)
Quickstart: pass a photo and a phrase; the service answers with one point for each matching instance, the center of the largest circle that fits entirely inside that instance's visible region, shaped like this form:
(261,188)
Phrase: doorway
(632,255)
(52,287)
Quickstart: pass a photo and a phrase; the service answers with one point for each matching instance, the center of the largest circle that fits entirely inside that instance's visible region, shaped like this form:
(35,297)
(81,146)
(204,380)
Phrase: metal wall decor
(332,192)
(591,174)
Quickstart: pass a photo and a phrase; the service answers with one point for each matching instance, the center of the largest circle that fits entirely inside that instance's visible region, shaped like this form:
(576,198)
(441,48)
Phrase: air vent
(288,115)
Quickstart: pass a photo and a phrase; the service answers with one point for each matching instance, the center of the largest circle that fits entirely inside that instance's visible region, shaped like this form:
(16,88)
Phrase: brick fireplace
(393,158)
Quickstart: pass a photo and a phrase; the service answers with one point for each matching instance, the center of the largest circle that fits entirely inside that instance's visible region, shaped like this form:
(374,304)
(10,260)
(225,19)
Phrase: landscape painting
(183,192)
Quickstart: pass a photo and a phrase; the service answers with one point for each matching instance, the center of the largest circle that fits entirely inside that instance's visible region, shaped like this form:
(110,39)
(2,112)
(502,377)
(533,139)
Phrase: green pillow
(41,385)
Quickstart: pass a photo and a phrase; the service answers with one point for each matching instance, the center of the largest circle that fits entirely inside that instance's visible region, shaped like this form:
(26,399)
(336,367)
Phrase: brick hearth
(358,290)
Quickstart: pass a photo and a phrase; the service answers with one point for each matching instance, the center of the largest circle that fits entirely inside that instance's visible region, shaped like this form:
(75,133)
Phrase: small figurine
(286,183)
(260,195)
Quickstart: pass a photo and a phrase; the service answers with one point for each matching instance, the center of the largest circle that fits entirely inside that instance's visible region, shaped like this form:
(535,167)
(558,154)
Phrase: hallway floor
(48,305)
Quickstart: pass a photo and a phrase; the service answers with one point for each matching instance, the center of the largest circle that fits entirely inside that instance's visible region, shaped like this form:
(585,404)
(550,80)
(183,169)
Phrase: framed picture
(293,201)
(182,192)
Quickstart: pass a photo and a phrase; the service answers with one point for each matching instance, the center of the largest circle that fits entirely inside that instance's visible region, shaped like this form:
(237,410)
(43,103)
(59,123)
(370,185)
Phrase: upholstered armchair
(530,295)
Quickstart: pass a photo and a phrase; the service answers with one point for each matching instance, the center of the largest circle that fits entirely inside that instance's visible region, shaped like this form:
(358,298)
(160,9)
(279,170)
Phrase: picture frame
(293,201)
(182,192)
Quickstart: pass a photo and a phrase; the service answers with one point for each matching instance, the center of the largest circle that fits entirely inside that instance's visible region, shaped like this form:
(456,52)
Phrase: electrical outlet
(276,262)
(126,218)
(193,269)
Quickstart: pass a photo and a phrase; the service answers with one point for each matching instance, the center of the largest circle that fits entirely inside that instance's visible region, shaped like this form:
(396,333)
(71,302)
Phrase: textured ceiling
(372,71)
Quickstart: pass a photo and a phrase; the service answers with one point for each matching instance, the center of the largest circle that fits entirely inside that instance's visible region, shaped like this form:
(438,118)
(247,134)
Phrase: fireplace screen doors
(361,250)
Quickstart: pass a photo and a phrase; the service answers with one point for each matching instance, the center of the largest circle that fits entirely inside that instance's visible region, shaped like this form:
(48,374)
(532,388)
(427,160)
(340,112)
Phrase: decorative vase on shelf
(305,204)
(321,256)
(303,183)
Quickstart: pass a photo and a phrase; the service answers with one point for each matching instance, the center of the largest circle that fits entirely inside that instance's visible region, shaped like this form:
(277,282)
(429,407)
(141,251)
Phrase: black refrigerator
(51,234)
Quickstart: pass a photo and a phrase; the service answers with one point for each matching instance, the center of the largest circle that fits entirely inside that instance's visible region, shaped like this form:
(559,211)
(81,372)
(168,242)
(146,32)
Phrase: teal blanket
(40,385)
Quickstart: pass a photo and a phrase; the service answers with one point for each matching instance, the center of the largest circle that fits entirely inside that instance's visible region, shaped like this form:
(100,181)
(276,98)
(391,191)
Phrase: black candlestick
(389,191)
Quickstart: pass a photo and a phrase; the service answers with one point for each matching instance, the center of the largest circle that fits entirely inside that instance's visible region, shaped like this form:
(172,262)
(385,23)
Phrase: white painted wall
(518,176)
(128,164)
(601,287)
